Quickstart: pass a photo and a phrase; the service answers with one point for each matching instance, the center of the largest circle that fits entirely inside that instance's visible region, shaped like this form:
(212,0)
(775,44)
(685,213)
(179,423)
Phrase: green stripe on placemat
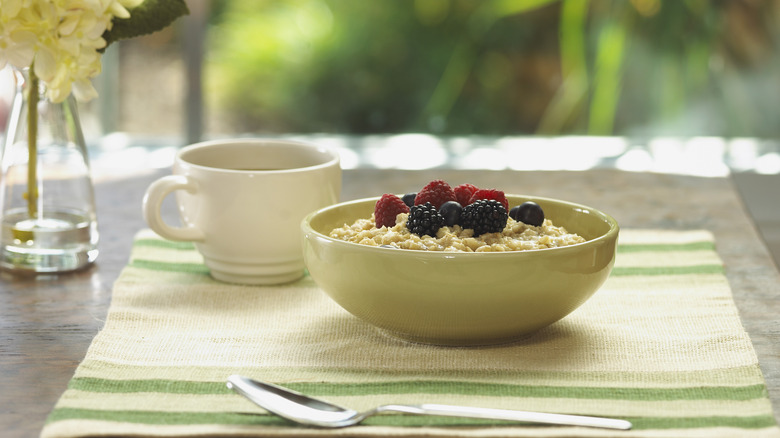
(196,268)
(664,247)
(397,420)
(153,265)
(160,243)
(667,270)
(749,392)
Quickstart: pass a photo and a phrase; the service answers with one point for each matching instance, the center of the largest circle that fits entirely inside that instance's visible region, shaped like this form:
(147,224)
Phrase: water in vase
(55,241)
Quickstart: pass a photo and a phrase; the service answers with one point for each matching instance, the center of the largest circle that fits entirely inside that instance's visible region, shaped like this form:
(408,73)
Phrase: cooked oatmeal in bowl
(447,294)
(516,236)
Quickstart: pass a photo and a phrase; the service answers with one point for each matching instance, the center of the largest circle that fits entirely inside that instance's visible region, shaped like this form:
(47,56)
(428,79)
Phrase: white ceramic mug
(242,201)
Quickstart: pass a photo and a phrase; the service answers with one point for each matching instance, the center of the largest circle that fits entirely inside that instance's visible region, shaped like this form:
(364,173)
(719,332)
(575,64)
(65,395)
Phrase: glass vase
(46,195)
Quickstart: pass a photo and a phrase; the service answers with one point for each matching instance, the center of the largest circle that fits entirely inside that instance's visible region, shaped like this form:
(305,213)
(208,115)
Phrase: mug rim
(333,161)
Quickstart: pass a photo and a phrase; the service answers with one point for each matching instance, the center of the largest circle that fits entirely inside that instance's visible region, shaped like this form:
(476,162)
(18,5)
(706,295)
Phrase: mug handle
(152,203)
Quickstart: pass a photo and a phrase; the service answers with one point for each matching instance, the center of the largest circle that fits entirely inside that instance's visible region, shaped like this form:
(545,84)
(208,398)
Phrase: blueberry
(409,199)
(528,213)
(450,211)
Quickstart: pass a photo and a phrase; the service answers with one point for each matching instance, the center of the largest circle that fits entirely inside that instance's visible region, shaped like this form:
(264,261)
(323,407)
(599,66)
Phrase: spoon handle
(510,415)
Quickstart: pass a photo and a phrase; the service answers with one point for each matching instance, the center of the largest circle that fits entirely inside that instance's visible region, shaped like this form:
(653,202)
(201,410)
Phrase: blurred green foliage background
(497,67)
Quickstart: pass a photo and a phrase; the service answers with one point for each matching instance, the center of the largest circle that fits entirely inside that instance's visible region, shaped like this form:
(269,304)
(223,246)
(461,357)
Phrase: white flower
(60,39)
(17,45)
(119,7)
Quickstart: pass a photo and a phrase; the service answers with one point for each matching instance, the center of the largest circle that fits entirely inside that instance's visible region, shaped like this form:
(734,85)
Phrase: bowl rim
(611,234)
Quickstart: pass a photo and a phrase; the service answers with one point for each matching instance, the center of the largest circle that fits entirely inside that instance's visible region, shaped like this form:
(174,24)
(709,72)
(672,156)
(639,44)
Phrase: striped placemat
(661,345)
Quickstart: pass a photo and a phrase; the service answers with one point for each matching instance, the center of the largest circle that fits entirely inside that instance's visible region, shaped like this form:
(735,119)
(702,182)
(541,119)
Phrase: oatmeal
(516,236)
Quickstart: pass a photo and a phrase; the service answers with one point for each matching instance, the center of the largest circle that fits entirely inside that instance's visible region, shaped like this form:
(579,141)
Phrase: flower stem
(32,143)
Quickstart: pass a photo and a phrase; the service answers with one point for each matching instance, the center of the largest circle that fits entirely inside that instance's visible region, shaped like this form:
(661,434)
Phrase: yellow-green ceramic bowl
(461,298)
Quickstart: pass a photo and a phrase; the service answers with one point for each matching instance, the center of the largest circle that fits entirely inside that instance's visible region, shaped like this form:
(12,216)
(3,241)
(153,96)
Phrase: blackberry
(424,220)
(484,216)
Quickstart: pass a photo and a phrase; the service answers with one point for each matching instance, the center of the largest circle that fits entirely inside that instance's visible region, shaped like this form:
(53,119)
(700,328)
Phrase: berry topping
(463,193)
(494,194)
(437,192)
(409,199)
(387,208)
(424,220)
(528,213)
(450,212)
(484,216)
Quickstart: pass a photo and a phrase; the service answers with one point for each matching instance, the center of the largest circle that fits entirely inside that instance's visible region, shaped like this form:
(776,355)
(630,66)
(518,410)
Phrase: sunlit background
(644,85)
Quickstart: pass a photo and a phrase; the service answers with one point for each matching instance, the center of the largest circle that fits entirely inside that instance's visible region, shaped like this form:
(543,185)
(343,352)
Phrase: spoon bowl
(309,411)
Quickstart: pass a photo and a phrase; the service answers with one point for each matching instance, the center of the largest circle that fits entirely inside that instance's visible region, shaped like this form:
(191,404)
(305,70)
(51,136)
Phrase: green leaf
(148,17)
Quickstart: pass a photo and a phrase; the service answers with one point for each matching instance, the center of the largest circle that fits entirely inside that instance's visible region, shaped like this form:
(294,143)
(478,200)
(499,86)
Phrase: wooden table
(47,323)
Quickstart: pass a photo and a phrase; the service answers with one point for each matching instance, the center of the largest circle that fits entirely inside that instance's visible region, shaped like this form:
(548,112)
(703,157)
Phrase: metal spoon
(308,411)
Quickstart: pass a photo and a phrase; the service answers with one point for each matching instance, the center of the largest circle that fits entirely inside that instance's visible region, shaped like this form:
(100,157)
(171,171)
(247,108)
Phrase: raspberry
(494,194)
(484,216)
(437,192)
(387,208)
(463,193)
(424,220)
